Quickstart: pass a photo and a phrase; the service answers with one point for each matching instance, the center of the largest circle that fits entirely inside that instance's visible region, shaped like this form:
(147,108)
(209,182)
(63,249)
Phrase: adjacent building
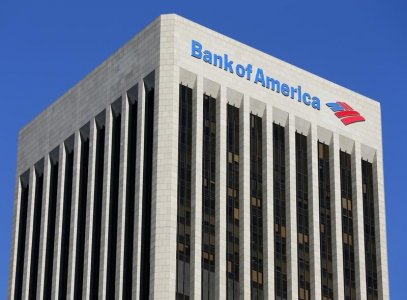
(191,166)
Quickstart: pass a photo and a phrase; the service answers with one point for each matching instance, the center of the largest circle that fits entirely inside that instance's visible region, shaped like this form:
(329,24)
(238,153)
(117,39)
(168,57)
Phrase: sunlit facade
(191,166)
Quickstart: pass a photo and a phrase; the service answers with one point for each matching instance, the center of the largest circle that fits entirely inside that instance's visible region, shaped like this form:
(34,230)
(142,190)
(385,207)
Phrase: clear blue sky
(46,48)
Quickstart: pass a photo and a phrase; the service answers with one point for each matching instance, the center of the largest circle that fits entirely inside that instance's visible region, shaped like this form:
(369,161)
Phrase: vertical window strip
(232,204)
(184,193)
(66,223)
(147,187)
(22,229)
(81,225)
(256,207)
(36,233)
(304,284)
(208,197)
(97,211)
(49,257)
(130,199)
(370,231)
(280,232)
(325,217)
(347,227)
(113,205)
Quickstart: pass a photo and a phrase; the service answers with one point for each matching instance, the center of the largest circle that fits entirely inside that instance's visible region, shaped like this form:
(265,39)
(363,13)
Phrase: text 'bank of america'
(191,166)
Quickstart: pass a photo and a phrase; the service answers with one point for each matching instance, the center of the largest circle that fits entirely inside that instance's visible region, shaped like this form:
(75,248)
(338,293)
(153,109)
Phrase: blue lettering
(240,70)
(260,77)
(299,94)
(228,64)
(249,70)
(293,91)
(216,59)
(306,99)
(196,49)
(273,84)
(316,103)
(207,57)
(285,89)
(224,62)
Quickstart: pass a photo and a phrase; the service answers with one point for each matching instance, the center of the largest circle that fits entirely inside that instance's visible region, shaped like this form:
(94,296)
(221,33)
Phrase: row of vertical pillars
(280,205)
(84,216)
(32,200)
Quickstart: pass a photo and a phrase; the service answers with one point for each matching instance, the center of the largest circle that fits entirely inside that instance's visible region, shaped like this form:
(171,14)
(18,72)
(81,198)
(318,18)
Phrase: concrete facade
(163,50)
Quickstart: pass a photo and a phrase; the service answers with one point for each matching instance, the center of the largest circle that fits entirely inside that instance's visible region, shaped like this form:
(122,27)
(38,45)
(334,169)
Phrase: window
(35,250)
(130,198)
(232,209)
(184,193)
(147,188)
(208,197)
(304,284)
(114,198)
(83,189)
(347,227)
(97,209)
(49,256)
(370,231)
(66,222)
(280,241)
(325,219)
(256,213)
(22,229)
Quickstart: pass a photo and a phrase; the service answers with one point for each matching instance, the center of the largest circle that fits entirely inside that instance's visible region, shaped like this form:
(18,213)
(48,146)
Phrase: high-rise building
(191,166)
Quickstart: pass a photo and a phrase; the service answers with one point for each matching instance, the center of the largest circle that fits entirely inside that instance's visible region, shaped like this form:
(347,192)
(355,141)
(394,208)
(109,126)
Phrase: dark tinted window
(232,203)
(347,227)
(184,193)
(22,229)
(280,229)
(303,246)
(370,231)
(325,219)
(208,197)
(113,205)
(256,207)
(130,198)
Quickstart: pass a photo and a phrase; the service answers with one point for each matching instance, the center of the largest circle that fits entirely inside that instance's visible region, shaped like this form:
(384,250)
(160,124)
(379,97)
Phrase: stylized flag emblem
(346,113)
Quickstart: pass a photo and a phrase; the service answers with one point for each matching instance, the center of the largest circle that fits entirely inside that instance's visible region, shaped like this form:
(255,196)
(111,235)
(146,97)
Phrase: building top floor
(181,51)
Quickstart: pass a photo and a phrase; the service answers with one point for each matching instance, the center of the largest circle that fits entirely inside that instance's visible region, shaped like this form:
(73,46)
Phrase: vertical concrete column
(196,205)
(104,241)
(138,198)
(29,234)
(313,202)
(14,244)
(220,203)
(89,210)
(358,223)
(44,228)
(121,215)
(268,200)
(336,204)
(164,182)
(380,227)
(74,215)
(58,223)
(291,200)
(244,198)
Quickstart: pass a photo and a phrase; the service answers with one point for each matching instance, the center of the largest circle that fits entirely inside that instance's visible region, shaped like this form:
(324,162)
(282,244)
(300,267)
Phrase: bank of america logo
(345,113)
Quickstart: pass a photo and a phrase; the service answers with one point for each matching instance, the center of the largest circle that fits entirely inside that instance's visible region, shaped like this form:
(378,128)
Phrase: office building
(191,166)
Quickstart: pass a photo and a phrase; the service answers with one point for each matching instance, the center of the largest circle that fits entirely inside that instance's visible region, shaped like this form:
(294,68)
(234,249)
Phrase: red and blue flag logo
(345,113)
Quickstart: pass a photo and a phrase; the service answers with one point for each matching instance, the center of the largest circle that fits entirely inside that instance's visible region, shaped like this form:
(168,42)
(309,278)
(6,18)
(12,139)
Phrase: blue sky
(47,47)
